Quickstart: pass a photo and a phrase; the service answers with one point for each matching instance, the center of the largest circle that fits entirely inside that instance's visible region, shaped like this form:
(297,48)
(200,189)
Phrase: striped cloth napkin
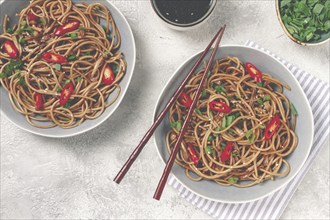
(272,207)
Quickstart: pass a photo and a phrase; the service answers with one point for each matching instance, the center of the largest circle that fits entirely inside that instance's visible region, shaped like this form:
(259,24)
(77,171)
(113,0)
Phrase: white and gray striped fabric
(273,206)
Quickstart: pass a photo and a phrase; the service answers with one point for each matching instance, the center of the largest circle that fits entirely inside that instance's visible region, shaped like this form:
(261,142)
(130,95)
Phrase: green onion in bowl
(306,22)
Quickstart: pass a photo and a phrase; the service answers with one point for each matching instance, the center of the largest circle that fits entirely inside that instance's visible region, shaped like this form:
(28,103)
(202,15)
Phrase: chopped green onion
(260,84)
(73,35)
(58,89)
(211,115)
(10,30)
(229,120)
(177,125)
(250,136)
(235,154)
(208,149)
(67,81)
(260,102)
(97,7)
(79,79)
(293,109)
(204,93)
(72,58)
(43,21)
(21,40)
(23,23)
(220,89)
(81,28)
(233,180)
(223,145)
(57,66)
(223,124)
(67,105)
(208,74)
(2,75)
(237,96)
(198,111)
(266,98)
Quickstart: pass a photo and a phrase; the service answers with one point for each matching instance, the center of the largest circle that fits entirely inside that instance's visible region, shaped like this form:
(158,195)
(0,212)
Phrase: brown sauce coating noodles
(253,105)
(89,49)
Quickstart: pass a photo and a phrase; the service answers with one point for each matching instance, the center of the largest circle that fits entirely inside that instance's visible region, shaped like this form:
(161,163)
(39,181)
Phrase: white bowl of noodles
(113,98)
(228,192)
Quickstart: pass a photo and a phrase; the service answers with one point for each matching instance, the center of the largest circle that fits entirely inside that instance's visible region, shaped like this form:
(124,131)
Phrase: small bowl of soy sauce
(183,14)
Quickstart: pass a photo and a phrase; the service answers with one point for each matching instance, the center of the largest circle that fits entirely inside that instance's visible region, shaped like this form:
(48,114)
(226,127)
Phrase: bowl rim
(279,17)
(176,25)
(116,105)
(310,144)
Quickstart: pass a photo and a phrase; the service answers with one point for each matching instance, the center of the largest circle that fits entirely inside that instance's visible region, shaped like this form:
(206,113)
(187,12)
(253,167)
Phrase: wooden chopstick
(161,116)
(169,164)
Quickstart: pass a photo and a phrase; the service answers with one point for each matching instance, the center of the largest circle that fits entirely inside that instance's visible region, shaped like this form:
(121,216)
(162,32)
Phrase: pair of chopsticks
(161,116)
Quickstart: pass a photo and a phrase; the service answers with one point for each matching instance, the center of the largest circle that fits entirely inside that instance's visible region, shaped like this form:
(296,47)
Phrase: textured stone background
(71,178)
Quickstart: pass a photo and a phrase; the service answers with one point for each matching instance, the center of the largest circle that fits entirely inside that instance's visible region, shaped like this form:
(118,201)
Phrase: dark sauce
(183,11)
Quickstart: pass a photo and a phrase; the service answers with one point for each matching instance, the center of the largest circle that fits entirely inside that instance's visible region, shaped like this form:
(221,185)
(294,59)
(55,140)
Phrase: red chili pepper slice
(53,58)
(39,101)
(32,17)
(108,76)
(185,100)
(192,153)
(254,72)
(10,49)
(272,127)
(220,107)
(67,27)
(225,155)
(66,93)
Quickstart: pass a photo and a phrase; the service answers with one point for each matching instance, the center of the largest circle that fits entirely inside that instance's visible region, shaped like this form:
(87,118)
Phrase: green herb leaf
(97,7)
(67,81)
(2,75)
(210,138)
(58,67)
(58,89)
(260,102)
(293,109)
(233,180)
(86,53)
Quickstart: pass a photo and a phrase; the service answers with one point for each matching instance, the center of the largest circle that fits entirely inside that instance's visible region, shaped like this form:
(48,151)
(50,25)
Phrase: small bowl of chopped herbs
(306,22)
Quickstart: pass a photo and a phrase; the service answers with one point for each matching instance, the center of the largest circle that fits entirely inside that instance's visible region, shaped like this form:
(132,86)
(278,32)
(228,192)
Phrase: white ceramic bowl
(10,8)
(304,130)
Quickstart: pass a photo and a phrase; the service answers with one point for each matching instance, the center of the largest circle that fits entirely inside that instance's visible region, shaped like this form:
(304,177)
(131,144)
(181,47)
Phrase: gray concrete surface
(71,178)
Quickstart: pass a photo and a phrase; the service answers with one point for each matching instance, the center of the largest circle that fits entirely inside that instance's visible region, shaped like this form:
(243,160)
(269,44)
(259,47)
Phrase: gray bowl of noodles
(75,64)
(245,141)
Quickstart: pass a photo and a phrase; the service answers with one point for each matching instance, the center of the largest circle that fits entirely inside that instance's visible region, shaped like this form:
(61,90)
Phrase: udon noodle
(229,147)
(61,63)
